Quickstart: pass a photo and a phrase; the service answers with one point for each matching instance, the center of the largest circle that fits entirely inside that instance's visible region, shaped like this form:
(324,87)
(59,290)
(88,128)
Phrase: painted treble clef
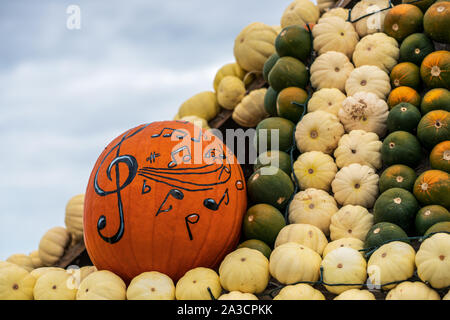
(132,166)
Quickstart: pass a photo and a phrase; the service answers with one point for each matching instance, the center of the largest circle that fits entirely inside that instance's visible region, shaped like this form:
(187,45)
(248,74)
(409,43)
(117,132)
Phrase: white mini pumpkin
(335,12)
(22,260)
(16,283)
(368,79)
(391,262)
(195,283)
(433,260)
(352,243)
(318,131)
(344,266)
(250,111)
(412,291)
(74,217)
(245,270)
(292,262)
(102,285)
(237,295)
(53,245)
(304,234)
(377,49)
(37,263)
(315,169)
(334,34)
(313,206)
(361,147)
(330,70)
(254,44)
(355,294)
(151,285)
(375,21)
(364,111)
(55,285)
(357,185)
(301,291)
(327,99)
(325,5)
(300,12)
(351,222)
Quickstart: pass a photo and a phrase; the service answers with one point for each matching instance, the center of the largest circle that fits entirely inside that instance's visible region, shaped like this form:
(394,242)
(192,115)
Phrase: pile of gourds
(346,181)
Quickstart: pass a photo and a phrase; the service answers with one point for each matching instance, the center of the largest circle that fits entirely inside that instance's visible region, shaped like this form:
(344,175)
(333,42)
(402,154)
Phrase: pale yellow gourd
(325,6)
(230,69)
(374,22)
(102,285)
(364,111)
(334,34)
(22,260)
(200,122)
(195,283)
(361,147)
(245,270)
(318,131)
(368,79)
(53,245)
(412,291)
(335,12)
(277,28)
(313,206)
(292,262)
(35,259)
(391,262)
(55,285)
(327,99)
(203,105)
(305,234)
(301,291)
(344,266)
(357,185)
(447,296)
(352,243)
(4,264)
(433,260)
(377,49)
(16,283)
(254,45)
(315,169)
(237,295)
(351,222)
(39,272)
(74,217)
(250,111)
(355,294)
(151,285)
(231,91)
(300,12)
(330,70)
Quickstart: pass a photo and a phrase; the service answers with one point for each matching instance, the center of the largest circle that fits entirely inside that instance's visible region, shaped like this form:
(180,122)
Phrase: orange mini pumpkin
(166,196)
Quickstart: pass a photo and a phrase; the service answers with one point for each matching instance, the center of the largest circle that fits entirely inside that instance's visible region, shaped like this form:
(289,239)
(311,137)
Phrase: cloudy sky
(64,94)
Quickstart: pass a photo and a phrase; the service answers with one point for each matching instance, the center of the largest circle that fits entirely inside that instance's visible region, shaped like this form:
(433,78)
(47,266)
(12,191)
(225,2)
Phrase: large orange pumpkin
(166,196)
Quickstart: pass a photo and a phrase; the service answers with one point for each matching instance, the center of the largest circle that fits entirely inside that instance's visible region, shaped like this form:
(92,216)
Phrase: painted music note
(175,193)
(185,158)
(211,204)
(181,133)
(132,166)
(191,219)
(145,188)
